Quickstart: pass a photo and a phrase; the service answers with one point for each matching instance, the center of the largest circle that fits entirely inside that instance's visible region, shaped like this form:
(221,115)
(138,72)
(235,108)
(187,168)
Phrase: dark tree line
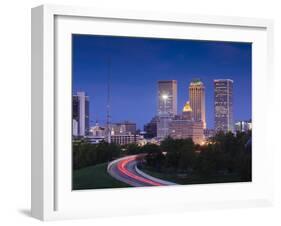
(86,154)
(225,154)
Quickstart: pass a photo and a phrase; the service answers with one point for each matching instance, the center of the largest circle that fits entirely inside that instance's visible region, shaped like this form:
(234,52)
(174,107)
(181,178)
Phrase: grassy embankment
(95,177)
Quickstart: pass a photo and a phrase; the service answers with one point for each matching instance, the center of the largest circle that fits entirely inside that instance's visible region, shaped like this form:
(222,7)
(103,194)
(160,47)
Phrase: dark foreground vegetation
(226,158)
(87,154)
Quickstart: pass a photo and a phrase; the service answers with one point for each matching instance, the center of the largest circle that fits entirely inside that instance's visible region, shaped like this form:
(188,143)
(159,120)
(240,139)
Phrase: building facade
(223,105)
(125,127)
(163,126)
(208,133)
(151,128)
(197,101)
(185,127)
(243,126)
(97,131)
(124,139)
(166,106)
(74,128)
(80,113)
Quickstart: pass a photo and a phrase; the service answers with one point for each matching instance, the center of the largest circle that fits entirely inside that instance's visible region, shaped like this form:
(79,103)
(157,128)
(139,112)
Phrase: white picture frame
(51,197)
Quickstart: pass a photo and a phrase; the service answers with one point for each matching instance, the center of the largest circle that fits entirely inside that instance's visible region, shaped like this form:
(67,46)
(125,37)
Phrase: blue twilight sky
(138,63)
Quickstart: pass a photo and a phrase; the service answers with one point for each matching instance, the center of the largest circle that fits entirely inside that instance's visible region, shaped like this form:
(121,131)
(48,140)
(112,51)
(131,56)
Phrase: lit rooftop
(196,82)
(187,107)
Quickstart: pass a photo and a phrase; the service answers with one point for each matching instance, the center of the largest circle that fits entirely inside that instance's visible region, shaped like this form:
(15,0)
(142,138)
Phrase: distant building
(151,128)
(142,141)
(197,101)
(167,106)
(97,131)
(187,112)
(125,127)
(153,141)
(95,139)
(223,105)
(243,126)
(130,127)
(96,134)
(123,139)
(163,126)
(80,112)
(185,127)
(74,127)
(208,133)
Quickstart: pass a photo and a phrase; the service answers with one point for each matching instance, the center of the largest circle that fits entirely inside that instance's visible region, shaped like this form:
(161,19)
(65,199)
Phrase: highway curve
(125,169)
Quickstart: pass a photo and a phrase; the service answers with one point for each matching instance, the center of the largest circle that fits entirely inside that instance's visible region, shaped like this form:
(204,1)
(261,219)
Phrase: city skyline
(127,100)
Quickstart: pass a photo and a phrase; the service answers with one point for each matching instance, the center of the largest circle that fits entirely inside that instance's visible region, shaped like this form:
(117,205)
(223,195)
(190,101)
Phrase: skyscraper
(80,113)
(197,101)
(167,106)
(223,105)
(167,98)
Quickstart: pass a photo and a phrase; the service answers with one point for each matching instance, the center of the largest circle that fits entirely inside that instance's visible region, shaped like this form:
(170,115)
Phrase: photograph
(158,112)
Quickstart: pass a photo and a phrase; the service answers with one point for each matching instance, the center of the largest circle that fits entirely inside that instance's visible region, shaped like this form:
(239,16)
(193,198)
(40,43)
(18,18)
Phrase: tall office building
(167,106)
(223,105)
(197,101)
(167,98)
(80,113)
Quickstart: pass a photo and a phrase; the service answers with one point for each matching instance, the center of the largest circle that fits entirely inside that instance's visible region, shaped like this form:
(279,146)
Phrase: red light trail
(122,168)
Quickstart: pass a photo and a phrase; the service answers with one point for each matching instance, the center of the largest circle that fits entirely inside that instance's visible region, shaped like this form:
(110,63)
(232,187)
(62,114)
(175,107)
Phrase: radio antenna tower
(108,117)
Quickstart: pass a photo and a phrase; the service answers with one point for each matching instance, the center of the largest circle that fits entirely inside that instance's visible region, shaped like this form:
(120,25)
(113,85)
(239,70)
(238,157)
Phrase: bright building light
(165,96)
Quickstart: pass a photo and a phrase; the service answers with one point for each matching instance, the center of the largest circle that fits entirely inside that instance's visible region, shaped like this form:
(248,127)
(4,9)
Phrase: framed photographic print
(137,112)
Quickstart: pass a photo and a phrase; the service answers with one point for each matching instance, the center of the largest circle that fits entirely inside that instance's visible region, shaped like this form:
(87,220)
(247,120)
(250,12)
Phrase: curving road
(125,169)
